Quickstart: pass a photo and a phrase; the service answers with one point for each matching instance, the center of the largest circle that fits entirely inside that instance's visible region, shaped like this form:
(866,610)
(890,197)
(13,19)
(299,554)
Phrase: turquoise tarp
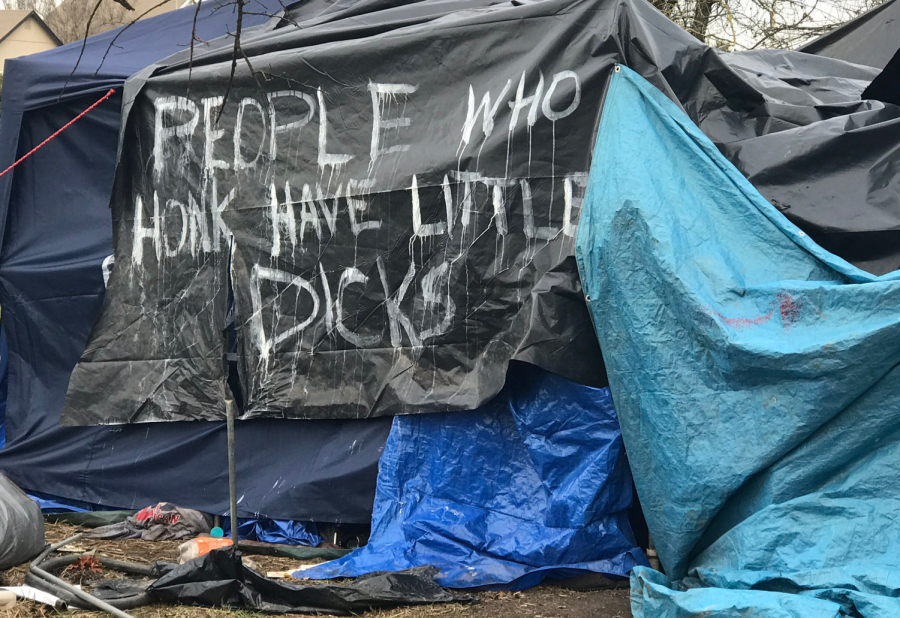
(755,376)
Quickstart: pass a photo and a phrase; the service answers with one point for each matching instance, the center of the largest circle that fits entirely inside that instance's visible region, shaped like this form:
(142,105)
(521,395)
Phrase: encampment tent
(372,173)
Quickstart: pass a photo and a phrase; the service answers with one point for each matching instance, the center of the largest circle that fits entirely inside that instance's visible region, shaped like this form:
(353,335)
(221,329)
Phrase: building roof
(10,20)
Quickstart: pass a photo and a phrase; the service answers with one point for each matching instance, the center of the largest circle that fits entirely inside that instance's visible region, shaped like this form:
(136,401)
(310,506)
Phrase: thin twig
(119,33)
(234,55)
(87,31)
(193,39)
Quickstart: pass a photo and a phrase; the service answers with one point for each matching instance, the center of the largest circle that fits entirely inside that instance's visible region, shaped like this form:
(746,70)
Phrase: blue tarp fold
(535,484)
(755,376)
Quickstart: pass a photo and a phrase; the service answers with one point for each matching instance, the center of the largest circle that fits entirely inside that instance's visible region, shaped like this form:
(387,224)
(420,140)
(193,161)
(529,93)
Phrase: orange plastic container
(200,546)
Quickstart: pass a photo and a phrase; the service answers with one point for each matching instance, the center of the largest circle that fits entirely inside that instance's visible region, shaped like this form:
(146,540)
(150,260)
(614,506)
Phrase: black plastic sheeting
(21,525)
(220,579)
(886,87)
(872,39)
(405,230)
(796,127)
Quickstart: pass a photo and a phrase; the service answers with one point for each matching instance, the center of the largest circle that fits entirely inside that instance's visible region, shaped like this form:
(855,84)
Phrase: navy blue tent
(56,231)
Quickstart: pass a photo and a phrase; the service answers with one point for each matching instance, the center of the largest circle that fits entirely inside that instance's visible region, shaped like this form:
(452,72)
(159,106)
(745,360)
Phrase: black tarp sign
(396,214)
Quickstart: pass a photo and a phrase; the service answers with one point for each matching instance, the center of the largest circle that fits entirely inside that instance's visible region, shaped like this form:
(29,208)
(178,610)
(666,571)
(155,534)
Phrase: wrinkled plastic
(219,578)
(277,531)
(21,525)
(756,377)
(374,272)
(444,273)
(871,39)
(535,484)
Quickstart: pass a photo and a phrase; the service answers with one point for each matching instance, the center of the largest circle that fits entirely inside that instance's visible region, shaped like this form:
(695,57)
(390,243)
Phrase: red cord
(67,125)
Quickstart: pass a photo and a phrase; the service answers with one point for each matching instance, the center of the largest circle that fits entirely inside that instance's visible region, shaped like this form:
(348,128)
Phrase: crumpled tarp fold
(219,578)
(535,484)
(755,376)
(21,525)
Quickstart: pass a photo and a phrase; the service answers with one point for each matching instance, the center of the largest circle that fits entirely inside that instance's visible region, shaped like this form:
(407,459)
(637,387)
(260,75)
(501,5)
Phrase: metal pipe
(53,548)
(81,594)
(63,585)
(232,481)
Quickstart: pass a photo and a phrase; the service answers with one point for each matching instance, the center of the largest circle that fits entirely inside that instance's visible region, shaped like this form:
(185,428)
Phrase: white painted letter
(210,163)
(382,95)
(396,318)
(334,160)
(142,233)
(239,162)
(282,216)
(545,107)
(487,110)
(218,223)
(522,102)
(308,214)
(432,286)
(431,229)
(348,277)
(162,133)
(275,128)
(357,206)
(260,273)
(573,202)
(184,227)
(498,199)
(199,229)
(542,232)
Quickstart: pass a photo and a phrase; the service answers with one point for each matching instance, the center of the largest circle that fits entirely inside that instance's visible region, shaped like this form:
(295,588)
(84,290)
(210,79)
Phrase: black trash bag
(220,578)
(21,525)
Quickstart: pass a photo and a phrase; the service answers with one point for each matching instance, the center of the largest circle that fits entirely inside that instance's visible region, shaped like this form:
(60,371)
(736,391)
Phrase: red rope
(67,125)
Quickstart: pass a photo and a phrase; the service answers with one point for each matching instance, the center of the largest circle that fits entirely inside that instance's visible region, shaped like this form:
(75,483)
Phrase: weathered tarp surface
(402,188)
(220,579)
(755,376)
(21,525)
(871,39)
(403,208)
(537,486)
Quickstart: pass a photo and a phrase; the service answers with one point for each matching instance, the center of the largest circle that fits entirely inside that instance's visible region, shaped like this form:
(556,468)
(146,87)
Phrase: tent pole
(232,483)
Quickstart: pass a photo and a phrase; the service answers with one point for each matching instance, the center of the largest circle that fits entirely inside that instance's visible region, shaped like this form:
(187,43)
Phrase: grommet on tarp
(618,68)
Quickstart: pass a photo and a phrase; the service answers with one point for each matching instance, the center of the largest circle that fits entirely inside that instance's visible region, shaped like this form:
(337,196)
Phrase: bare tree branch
(81,52)
(234,56)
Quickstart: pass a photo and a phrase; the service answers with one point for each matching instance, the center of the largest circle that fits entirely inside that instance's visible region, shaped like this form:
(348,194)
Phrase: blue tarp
(755,376)
(56,231)
(534,484)
(284,532)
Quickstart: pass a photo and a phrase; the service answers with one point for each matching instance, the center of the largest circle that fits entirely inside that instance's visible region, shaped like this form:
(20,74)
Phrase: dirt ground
(540,602)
